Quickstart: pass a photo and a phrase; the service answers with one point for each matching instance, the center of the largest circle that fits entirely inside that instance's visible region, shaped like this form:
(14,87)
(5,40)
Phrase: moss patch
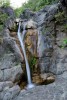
(3,18)
(60,17)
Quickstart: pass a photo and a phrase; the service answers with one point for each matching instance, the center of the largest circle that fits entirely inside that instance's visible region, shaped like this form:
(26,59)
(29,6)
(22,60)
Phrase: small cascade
(30,84)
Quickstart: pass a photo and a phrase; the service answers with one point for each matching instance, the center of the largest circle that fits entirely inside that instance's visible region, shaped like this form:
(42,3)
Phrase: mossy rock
(3,17)
(64,28)
(60,17)
(1,28)
(1,40)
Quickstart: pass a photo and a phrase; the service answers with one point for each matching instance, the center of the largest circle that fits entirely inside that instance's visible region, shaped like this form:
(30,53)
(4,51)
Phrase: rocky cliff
(46,48)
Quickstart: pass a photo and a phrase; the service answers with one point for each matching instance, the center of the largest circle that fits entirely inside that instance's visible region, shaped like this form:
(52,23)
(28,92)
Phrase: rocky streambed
(46,53)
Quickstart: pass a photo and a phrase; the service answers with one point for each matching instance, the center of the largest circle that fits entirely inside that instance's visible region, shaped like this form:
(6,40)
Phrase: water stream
(30,84)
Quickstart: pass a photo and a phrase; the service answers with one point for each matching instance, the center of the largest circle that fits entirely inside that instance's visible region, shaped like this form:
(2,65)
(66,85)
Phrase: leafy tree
(34,5)
(4,2)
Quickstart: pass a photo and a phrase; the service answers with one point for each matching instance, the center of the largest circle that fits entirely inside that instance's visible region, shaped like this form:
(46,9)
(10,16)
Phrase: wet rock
(41,45)
(17,20)
(31,41)
(48,78)
(37,79)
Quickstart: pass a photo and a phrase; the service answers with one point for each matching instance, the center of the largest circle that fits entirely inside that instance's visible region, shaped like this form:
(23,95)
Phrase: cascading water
(30,84)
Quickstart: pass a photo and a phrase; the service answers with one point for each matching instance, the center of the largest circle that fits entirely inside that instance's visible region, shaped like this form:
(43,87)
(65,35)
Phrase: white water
(30,84)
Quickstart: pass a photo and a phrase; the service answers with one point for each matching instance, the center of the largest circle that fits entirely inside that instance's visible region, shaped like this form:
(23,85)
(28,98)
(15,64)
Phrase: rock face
(64,2)
(10,58)
(43,41)
(7,10)
(48,40)
(53,91)
(31,37)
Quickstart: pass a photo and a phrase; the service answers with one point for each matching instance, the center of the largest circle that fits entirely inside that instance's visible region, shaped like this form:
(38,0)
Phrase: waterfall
(30,84)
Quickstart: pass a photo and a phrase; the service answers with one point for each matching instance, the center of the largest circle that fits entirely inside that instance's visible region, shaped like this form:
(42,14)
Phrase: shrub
(60,17)
(65,42)
(5,3)
(64,28)
(3,17)
(33,62)
(34,5)
(1,28)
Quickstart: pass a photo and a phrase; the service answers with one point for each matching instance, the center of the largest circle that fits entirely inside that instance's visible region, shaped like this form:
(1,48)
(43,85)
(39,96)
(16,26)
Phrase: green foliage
(18,11)
(1,40)
(64,28)
(33,61)
(34,5)
(65,42)
(5,3)
(60,17)
(3,17)
(1,28)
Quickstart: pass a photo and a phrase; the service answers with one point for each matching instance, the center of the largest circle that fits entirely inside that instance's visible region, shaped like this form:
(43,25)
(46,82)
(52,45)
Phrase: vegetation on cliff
(34,5)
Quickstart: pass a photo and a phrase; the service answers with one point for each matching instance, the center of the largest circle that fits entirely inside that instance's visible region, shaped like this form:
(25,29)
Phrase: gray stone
(31,24)
(7,61)
(8,10)
(41,45)
(5,84)
(13,47)
(9,24)
(27,14)
(13,74)
(54,91)
(1,75)
(12,93)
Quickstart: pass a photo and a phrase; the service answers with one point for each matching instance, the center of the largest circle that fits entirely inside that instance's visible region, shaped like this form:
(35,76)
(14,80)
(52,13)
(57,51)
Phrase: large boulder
(7,10)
